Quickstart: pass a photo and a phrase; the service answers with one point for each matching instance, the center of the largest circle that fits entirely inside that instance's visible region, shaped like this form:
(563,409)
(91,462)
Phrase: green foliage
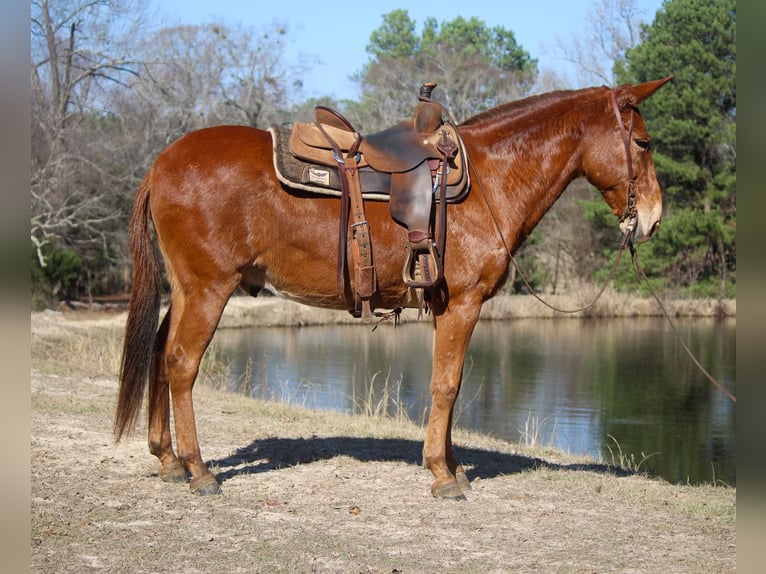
(470,40)
(691,257)
(395,38)
(58,279)
(476,67)
(694,252)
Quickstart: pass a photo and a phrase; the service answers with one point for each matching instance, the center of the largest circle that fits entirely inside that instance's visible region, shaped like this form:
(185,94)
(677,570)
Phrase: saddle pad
(311,177)
(319,179)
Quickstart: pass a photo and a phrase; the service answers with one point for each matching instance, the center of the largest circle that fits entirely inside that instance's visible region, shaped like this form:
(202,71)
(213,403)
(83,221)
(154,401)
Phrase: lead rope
(642,275)
(625,242)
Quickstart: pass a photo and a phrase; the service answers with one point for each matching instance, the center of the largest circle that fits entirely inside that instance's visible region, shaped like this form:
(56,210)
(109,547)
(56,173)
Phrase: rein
(643,276)
(630,214)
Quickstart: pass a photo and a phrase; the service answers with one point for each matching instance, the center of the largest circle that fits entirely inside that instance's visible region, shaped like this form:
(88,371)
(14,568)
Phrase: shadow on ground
(274,453)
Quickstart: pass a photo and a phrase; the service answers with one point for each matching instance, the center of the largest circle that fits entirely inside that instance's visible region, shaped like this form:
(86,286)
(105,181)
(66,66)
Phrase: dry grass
(610,304)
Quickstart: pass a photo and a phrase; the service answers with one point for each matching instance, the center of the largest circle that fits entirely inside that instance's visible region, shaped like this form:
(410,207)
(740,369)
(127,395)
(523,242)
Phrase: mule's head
(619,161)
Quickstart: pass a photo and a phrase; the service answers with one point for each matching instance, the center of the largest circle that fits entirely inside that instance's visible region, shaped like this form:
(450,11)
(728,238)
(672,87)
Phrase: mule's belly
(320,289)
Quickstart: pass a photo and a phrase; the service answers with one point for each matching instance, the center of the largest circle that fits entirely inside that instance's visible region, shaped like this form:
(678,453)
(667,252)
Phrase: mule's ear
(638,93)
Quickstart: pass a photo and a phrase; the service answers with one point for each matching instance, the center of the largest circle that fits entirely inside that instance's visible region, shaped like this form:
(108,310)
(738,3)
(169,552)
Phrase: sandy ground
(310,491)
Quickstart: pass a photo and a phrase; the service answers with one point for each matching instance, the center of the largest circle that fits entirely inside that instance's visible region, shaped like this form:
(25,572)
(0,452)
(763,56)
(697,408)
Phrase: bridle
(631,213)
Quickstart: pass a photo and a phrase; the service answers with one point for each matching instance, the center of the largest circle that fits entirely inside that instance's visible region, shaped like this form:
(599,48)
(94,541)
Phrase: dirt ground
(310,491)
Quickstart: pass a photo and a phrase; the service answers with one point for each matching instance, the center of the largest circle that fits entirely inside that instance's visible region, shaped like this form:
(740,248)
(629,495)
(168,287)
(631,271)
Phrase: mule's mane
(533,104)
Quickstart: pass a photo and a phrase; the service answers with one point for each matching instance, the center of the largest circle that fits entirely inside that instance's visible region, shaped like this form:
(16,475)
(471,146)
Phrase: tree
(78,49)
(475,66)
(693,127)
(213,74)
(109,92)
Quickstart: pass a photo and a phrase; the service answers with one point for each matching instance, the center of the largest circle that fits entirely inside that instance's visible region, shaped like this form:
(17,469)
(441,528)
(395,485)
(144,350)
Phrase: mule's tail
(143,316)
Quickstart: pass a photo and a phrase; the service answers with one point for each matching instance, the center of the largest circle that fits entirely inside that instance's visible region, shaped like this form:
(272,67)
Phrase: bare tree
(109,92)
(78,48)
(213,74)
(611,27)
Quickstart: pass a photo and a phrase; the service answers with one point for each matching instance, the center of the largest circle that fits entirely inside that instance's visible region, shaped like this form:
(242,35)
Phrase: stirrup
(423,266)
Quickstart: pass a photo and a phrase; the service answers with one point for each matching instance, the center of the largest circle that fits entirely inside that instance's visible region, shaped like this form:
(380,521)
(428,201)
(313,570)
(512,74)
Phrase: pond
(609,388)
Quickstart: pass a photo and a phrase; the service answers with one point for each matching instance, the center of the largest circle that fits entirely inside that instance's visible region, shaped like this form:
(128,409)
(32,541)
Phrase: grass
(380,399)
(96,507)
(535,430)
(610,304)
(99,349)
(80,350)
(77,344)
(628,462)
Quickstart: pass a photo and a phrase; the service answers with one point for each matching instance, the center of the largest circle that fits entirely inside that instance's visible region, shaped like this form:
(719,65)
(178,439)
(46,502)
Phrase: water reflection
(572,383)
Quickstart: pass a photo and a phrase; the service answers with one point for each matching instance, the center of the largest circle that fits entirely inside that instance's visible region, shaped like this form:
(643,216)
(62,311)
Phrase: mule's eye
(643,144)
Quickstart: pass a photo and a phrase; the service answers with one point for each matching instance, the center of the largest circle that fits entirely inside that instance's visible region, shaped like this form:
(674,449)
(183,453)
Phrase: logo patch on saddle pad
(319,175)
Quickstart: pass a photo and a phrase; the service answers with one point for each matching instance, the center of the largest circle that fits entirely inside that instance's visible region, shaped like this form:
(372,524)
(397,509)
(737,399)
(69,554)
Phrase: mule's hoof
(463,482)
(450,490)
(176,473)
(205,486)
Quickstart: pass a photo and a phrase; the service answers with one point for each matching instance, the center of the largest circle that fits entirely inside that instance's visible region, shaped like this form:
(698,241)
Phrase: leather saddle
(417,165)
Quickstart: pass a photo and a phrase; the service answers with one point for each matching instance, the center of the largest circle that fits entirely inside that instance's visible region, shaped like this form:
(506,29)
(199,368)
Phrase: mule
(223,220)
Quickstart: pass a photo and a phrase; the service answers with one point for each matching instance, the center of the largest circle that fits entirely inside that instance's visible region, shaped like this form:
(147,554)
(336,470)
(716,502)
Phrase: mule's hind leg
(160,441)
(192,323)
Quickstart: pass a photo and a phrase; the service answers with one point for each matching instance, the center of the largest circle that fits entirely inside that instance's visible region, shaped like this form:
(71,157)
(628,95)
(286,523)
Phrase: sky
(337,32)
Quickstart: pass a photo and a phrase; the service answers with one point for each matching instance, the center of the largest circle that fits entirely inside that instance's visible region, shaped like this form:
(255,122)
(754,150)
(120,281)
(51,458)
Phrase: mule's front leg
(452,335)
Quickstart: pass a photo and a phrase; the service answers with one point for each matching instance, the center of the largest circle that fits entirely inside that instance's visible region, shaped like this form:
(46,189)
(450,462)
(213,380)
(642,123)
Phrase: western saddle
(417,165)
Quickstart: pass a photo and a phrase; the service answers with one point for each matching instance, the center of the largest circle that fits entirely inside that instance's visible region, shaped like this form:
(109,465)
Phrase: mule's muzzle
(638,233)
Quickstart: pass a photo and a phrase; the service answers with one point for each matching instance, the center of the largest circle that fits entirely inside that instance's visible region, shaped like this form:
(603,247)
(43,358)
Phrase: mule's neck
(525,154)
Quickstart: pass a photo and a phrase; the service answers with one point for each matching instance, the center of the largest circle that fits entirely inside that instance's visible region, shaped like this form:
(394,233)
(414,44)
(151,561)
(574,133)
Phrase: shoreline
(245,311)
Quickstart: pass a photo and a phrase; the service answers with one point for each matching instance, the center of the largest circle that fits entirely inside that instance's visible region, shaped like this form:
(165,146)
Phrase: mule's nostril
(655,227)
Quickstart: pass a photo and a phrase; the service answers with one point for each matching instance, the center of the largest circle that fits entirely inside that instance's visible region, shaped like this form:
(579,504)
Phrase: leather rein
(630,214)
